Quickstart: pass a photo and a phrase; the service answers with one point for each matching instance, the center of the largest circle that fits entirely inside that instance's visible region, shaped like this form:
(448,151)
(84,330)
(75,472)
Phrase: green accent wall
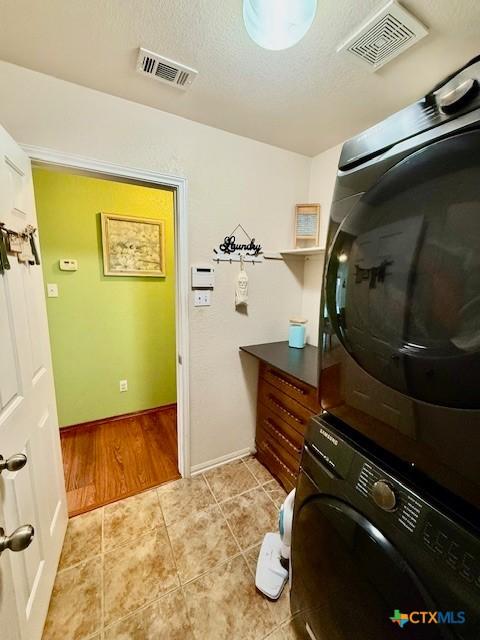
(104,329)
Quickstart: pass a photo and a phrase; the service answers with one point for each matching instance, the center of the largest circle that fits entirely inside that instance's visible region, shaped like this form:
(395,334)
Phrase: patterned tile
(281,608)
(251,516)
(83,539)
(276,635)
(166,619)
(251,556)
(126,519)
(287,632)
(181,498)
(230,479)
(200,541)
(276,492)
(75,606)
(224,604)
(141,575)
(261,473)
(138,573)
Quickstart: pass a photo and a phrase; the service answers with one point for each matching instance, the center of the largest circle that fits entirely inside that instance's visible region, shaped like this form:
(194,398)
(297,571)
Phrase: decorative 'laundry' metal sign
(237,246)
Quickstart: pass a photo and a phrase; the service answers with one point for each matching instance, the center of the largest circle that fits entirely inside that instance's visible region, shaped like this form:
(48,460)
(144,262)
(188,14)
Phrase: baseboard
(123,416)
(217,462)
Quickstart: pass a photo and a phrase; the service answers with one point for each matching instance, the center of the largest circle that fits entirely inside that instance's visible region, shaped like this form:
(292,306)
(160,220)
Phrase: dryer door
(349,582)
(401,330)
(403,284)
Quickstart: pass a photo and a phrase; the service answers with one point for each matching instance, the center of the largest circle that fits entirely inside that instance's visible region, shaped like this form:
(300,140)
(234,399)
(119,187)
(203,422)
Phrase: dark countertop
(299,363)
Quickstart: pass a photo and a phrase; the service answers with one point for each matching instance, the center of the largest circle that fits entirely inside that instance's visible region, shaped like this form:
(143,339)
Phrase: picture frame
(307,224)
(133,246)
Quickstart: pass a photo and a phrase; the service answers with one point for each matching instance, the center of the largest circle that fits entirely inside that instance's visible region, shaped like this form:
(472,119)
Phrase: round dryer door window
(349,582)
(403,281)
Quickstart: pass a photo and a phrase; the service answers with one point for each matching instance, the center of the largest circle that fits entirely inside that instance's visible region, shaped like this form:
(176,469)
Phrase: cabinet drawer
(300,391)
(280,430)
(294,413)
(290,460)
(273,458)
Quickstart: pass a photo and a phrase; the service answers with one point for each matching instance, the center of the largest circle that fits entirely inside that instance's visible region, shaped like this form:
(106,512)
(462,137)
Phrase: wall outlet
(201,298)
(52,290)
(123,385)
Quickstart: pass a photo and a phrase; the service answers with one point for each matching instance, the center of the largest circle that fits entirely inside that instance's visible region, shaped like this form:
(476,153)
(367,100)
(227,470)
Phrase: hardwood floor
(110,460)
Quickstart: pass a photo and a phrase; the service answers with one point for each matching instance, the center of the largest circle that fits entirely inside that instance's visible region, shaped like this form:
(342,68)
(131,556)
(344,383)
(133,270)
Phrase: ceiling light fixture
(278,24)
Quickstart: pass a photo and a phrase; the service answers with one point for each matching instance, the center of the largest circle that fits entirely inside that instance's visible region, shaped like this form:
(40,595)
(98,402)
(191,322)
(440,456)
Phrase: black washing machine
(374,558)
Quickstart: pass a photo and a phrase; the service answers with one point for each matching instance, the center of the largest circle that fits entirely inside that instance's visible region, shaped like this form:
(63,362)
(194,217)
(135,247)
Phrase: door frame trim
(42,156)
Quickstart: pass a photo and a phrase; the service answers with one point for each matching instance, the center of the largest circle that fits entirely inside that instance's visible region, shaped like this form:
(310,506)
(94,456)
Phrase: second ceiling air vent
(384,35)
(166,70)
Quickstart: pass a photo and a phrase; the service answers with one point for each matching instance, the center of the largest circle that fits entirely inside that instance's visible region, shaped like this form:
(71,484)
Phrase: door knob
(18,540)
(13,463)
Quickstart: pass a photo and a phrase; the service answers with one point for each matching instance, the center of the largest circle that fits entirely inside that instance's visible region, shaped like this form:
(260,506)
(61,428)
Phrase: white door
(34,494)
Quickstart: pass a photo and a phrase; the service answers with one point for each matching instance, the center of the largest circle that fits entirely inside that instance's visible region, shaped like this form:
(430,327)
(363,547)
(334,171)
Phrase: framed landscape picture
(133,246)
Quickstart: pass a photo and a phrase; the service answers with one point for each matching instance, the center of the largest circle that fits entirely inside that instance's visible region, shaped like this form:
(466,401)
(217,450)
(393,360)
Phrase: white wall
(323,172)
(312,282)
(231,180)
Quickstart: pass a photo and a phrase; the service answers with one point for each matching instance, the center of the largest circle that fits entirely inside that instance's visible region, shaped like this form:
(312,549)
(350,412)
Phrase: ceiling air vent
(165,70)
(385,35)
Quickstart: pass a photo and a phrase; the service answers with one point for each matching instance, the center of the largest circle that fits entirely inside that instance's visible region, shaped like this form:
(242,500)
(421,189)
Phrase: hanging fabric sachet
(241,287)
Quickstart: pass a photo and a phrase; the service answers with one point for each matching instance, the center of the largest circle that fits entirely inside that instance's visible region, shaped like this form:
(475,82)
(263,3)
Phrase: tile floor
(173,563)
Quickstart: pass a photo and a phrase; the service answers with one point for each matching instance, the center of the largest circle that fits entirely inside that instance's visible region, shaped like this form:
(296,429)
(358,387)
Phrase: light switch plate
(202,298)
(52,290)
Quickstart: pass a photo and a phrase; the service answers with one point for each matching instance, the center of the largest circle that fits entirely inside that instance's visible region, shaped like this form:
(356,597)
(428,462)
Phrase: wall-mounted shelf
(285,253)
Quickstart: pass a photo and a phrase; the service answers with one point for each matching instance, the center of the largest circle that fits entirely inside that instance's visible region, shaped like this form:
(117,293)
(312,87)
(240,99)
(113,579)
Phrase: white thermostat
(68,264)
(203,276)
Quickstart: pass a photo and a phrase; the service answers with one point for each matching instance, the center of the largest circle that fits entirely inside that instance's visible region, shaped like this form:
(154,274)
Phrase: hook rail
(230,260)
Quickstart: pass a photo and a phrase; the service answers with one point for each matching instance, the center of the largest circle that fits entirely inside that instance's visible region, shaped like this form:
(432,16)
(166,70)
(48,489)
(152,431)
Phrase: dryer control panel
(456,96)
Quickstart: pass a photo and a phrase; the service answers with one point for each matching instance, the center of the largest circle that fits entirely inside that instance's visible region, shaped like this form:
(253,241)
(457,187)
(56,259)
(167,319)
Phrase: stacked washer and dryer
(386,532)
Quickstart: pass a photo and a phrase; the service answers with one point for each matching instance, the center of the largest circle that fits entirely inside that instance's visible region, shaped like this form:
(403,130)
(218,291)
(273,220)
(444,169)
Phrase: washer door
(348,580)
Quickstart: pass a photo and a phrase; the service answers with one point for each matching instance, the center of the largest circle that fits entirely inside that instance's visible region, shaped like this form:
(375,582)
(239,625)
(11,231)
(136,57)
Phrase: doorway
(111,333)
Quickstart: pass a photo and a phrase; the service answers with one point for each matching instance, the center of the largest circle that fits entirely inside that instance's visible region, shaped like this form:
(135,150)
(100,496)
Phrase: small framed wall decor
(307,225)
(133,246)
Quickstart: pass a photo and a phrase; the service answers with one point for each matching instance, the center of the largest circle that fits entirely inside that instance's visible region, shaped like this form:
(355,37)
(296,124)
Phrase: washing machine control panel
(452,546)
(445,541)
(440,536)
(407,508)
(384,495)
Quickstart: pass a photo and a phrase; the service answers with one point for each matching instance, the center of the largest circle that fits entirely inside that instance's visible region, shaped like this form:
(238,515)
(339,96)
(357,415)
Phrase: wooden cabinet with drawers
(285,406)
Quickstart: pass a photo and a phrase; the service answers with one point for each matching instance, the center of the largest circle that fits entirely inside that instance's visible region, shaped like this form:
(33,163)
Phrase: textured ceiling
(306,98)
